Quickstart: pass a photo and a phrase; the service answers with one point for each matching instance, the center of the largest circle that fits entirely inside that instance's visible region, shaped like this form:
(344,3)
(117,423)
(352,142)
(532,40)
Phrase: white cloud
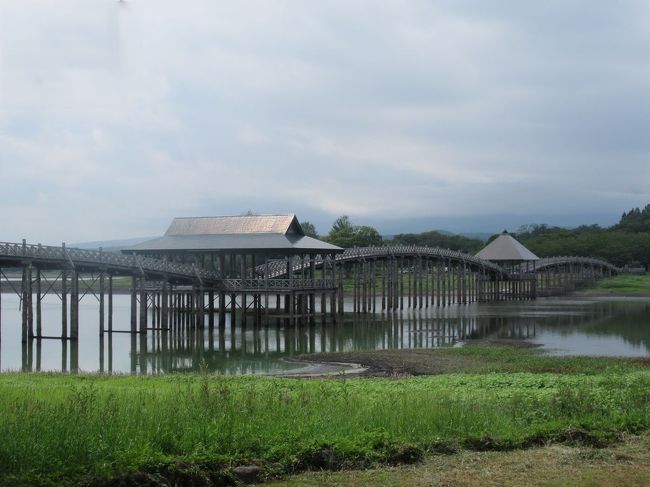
(116,116)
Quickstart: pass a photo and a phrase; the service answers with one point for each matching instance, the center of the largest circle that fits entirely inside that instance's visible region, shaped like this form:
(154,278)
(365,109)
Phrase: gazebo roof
(506,248)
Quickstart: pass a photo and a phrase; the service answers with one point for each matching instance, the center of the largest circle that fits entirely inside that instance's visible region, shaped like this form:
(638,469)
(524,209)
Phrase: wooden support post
(143,305)
(101,303)
(409,281)
(463,281)
(39,297)
(74,307)
(459,283)
(134,305)
(443,284)
(211,309)
(401,283)
(383,285)
(64,304)
(427,281)
(354,287)
(438,283)
(28,303)
(23,303)
(451,276)
(222,309)
(340,274)
(164,315)
(110,305)
(423,288)
(312,277)
(200,308)
(373,277)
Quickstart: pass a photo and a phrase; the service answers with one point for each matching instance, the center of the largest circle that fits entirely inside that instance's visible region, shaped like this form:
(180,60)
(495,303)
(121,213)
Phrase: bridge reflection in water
(258,348)
(261,348)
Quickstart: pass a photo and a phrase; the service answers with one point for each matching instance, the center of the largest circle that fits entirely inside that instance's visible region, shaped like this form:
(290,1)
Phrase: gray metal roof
(230,225)
(228,242)
(506,248)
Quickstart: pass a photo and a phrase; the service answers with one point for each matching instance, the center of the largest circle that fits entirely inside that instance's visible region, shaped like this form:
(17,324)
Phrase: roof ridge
(235,216)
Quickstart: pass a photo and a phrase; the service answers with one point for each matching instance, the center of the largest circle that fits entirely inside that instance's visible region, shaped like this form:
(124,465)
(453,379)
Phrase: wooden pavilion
(517,260)
(250,253)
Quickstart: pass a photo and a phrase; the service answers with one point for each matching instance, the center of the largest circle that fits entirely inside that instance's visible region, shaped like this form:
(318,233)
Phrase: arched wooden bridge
(388,278)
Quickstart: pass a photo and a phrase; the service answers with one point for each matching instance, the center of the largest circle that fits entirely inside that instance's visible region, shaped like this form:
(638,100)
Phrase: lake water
(569,326)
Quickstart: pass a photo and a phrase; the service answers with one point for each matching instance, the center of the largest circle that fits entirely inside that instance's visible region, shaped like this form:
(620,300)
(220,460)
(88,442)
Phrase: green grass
(624,284)
(59,429)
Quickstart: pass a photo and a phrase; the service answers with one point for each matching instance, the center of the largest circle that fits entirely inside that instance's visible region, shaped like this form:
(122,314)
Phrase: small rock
(248,473)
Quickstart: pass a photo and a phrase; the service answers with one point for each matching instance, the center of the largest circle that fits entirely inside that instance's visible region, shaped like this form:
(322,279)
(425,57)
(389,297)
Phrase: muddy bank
(608,293)
(411,362)
(310,368)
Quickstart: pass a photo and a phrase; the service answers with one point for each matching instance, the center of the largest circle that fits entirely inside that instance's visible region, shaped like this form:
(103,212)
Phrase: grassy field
(624,464)
(181,429)
(624,284)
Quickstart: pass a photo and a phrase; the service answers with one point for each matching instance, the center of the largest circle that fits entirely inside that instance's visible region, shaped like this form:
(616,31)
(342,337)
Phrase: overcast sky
(117,116)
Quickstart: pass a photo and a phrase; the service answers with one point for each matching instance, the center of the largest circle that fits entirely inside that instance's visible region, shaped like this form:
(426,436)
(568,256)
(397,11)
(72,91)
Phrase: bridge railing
(277,284)
(73,256)
(278,268)
(561,260)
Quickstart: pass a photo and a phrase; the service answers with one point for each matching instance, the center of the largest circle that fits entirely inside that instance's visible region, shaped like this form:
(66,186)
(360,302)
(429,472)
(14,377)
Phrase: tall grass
(624,283)
(68,427)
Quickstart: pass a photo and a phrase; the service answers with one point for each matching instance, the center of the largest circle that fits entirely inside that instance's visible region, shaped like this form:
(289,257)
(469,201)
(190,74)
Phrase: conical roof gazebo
(505,249)
(518,261)
(509,253)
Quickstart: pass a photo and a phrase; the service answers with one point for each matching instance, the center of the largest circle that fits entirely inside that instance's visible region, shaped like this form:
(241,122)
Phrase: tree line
(626,243)
(346,234)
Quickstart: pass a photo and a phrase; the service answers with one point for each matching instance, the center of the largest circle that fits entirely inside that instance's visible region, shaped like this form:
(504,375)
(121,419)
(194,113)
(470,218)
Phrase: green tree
(366,236)
(346,235)
(439,239)
(309,229)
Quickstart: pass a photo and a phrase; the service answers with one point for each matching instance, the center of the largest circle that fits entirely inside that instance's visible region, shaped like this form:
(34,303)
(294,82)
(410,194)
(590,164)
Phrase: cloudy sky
(117,116)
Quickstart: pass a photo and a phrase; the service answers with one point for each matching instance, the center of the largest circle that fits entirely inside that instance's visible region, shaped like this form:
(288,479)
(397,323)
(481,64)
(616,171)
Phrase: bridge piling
(110,303)
(143,306)
(101,303)
(74,306)
(39,296)
(134,305)
(64,304)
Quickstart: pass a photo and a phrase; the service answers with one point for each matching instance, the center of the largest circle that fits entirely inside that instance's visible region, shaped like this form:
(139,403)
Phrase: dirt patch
(412,362)
(624,464)
(642,361)
(501,342)
(398,363)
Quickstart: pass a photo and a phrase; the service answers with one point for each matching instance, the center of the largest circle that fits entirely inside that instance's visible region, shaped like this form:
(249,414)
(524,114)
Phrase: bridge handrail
(564,259)
(95,257)
(277,284)
(279,267)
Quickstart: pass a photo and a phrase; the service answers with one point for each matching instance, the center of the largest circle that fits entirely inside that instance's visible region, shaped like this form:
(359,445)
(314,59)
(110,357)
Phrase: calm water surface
(614,327)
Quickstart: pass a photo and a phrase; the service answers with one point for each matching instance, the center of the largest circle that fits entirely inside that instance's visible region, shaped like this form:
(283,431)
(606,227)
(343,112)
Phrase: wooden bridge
(173,295)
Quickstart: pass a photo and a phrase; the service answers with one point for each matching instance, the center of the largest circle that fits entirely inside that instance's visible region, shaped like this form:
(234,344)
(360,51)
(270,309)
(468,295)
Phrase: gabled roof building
(263,234)
(247,251)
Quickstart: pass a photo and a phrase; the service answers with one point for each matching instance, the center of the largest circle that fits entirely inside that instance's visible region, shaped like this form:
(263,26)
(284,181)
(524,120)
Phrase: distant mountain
(109,245)
(482,227)
(477,235)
